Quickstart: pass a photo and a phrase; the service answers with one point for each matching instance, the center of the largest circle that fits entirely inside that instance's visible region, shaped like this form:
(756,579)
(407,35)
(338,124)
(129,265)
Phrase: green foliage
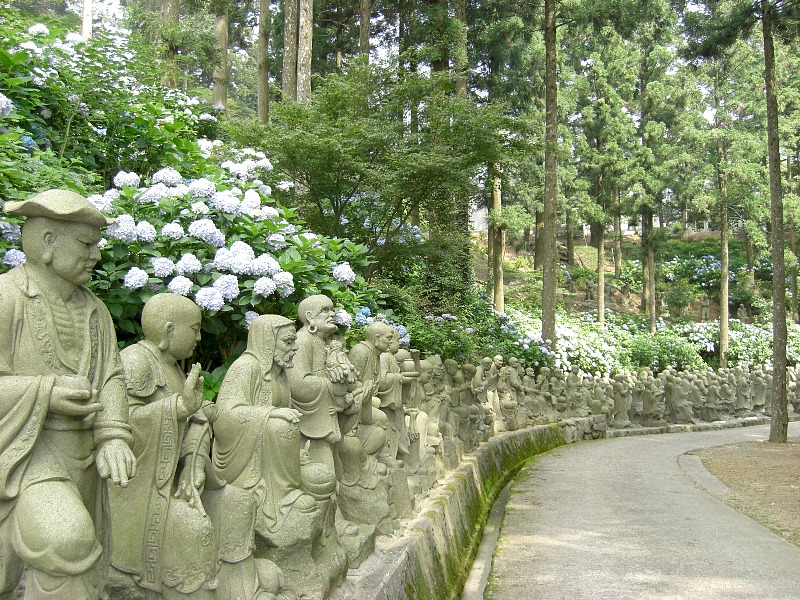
(662,351)
(92,106)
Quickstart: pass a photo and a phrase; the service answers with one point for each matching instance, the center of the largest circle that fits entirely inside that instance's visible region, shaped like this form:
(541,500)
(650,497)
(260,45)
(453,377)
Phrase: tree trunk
(648,267)
(538,242)
(86,20)
(793,246)
(460,62)
(219,95)
(264,22)
(289,70)
(305,31)
(780,419)
(617,237)
(601,275)
(170,14)
(570,239)
(723,279)
(498,292)
(364,21)
(549,280)
(750,258)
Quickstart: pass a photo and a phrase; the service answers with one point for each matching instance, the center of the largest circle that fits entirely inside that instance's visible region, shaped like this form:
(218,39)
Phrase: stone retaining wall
(432,556)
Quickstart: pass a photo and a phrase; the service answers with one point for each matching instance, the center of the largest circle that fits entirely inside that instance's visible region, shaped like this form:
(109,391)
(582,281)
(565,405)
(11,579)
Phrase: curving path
(630,518)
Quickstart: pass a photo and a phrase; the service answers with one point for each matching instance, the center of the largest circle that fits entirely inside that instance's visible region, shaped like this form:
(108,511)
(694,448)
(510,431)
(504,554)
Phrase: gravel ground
(763,481)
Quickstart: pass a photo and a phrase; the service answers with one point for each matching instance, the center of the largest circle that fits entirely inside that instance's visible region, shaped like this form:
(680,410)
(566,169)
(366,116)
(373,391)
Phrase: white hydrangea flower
(265,264)
(38,29)
(202,188)
(204,229)
(265,189)
(344,273)
(173,231)
(162,266)
(285,283)
(145,231)
(277,241)
(209,298)
(154,194)
(123,229)
(343,318)
(180,285)
(102,243)
(167,176)
(74,38)
(207,117)
(188,265)
(249,317)
(243,249)
(285,186)
(123,179)
(135,278)
(264,286)
(14,257)
(206,147)
(6,106)
(228,286)
(101,203)
(226,201)
(200,208)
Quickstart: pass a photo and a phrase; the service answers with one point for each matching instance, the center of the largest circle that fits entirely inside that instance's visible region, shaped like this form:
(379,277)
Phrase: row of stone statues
(282,484)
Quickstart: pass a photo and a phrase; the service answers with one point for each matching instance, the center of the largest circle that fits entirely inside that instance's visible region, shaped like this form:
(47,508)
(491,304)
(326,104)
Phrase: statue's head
(486,362)
(393,340)
(498,361)
(513,362)
(469,370)
(530,372)
(450,366)
(272,339)
(316,314)
(172,322)
(378,335)
(61,234)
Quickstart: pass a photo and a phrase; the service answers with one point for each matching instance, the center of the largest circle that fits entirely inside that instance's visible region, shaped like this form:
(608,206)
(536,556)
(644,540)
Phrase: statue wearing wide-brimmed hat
(63,405)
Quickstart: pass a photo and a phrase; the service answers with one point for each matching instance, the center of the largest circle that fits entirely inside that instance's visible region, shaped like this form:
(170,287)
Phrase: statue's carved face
(381,341)
(394,341)
(184,335)
(75,251)
(285,345)
(322,317)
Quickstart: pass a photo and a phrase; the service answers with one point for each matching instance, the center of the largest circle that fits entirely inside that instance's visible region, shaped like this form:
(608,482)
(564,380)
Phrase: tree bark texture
(570,238)
(170,15)
(219,95)
(264,23)
(86,19)
(498,239)
(549,276)
(617,237)
(364,19)
(649,267)
(601,275)
(779,424)
(461,50)
(289,70)
(305,32)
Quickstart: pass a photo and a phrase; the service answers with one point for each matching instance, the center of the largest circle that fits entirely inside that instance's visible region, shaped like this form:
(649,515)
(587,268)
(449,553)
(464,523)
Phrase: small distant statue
(705,309)
(590,289)
(65,414)
(741,313)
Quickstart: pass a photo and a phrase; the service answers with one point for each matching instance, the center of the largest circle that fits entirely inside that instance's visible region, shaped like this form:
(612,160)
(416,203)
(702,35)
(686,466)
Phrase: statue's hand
(410,376)
(290,415)
(71,396)
(191,398)
(115,461)
(190,486)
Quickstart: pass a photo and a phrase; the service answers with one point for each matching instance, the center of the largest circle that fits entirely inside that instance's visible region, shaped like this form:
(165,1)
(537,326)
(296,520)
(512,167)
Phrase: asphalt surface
(632,518)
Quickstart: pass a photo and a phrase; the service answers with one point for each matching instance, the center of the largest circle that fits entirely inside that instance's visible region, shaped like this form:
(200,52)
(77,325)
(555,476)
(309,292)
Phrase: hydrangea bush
(220,240)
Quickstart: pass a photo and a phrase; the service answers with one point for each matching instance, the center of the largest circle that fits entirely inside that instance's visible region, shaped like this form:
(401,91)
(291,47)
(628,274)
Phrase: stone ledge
(690,427)
(432,556)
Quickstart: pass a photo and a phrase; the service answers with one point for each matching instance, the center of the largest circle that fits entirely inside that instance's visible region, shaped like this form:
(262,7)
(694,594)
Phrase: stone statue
(741,313)
(480,383)
(160,530)
(63,403)
(705,309)
(390,391)
(257,448)
(327,407)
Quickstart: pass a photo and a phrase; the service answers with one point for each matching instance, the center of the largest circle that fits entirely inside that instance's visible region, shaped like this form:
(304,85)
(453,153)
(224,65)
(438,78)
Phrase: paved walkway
(630,519)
